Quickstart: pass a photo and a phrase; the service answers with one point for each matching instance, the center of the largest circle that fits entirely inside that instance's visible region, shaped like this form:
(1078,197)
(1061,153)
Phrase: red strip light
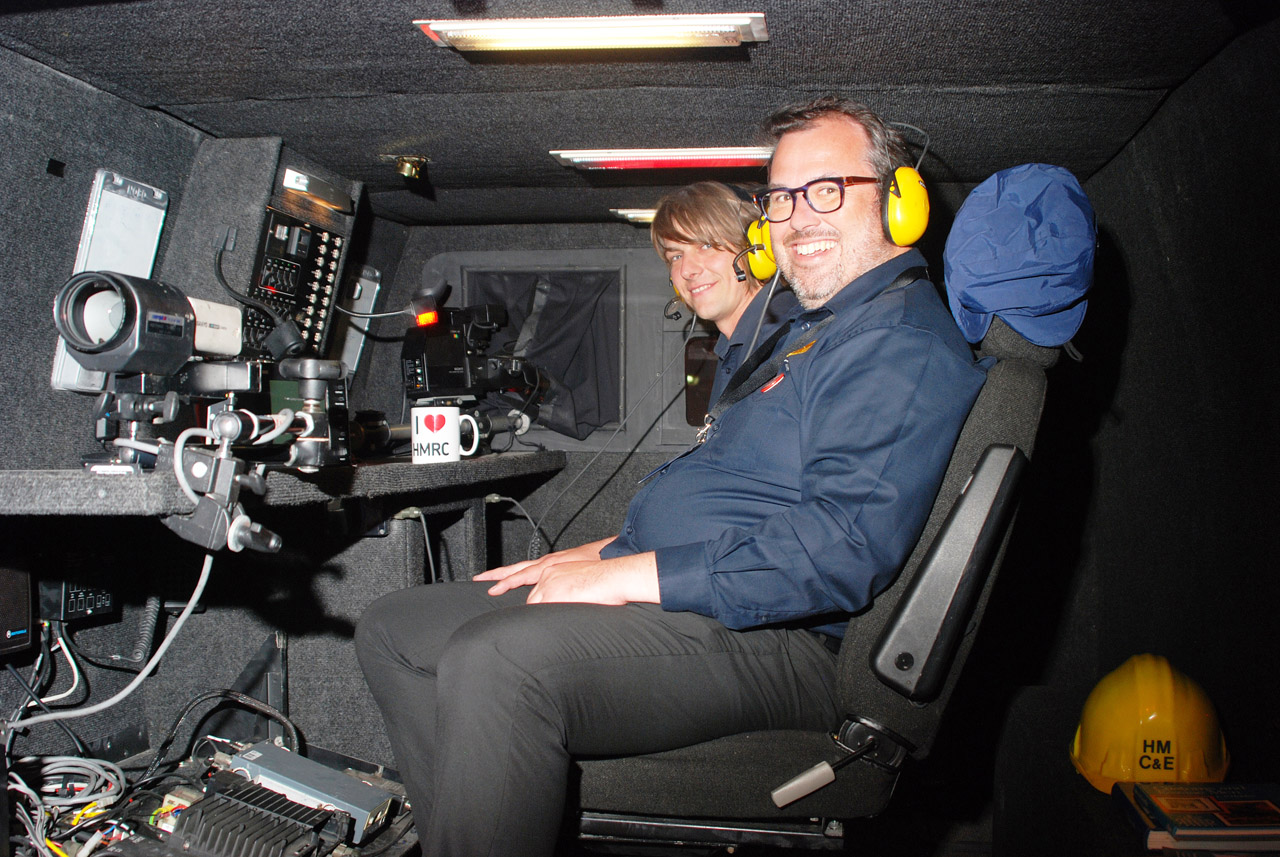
(653,159)
(428,318)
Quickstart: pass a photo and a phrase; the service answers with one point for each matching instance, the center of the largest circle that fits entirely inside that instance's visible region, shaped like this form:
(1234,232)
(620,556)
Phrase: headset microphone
(671,310)
(760,249)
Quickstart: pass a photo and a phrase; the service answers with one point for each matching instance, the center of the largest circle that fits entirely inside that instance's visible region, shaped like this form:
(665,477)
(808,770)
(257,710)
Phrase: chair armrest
(919,642)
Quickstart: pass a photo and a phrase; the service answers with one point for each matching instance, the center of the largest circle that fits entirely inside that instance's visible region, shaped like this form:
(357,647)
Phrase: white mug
(437,435)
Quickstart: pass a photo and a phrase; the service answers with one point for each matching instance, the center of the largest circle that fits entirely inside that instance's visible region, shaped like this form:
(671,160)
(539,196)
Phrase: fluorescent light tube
(316,190)
(635,215)
(620,32)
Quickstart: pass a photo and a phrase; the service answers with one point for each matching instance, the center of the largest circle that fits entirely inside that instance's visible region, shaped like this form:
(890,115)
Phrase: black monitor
(16,619)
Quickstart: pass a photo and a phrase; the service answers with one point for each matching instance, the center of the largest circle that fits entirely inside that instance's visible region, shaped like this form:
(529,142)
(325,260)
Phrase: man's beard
(814,287)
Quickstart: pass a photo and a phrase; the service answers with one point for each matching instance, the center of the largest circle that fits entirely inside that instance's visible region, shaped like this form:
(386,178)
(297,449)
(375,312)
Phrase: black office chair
(898,665)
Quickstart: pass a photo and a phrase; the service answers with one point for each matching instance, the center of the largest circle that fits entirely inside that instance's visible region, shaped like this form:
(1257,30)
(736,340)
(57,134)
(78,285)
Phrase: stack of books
(1225,818)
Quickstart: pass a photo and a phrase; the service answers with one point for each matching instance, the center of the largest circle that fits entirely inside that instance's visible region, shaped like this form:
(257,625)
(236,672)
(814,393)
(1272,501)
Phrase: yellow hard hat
(1146,722)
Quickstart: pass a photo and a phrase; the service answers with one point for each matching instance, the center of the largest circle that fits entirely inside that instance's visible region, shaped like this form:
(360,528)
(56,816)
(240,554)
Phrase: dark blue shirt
(808,494)
(732,349)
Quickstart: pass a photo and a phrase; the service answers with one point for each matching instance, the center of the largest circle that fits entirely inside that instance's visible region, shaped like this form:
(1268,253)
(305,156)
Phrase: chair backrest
(1007,412)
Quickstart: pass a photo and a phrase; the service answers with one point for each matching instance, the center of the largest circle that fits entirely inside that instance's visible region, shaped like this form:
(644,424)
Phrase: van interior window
(568,324)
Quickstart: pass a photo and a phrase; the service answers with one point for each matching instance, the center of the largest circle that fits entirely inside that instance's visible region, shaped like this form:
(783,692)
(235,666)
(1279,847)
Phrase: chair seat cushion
(732,777)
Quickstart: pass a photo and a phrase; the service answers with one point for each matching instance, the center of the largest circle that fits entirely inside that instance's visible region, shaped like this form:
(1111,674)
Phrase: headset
(759,251)
(904,212)
(905,209)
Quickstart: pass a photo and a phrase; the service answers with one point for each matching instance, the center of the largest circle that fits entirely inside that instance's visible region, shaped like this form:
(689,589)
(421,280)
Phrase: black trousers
(486,699)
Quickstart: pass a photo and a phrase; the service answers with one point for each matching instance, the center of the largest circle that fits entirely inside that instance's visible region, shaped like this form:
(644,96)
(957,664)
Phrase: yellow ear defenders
(760,250)
(905,212)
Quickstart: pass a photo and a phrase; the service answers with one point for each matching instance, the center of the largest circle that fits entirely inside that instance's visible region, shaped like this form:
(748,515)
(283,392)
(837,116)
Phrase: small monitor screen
(15,610)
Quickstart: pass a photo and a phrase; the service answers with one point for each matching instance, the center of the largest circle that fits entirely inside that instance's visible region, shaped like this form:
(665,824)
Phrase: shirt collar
(745,327)
(869,286)
(778,311)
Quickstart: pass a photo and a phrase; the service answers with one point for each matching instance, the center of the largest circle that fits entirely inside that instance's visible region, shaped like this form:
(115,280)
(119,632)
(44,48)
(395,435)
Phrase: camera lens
(102,315)
(116,323)
(91,312)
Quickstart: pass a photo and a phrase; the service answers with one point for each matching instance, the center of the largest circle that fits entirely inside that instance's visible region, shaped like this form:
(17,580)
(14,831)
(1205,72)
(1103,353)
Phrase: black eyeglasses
(823,196)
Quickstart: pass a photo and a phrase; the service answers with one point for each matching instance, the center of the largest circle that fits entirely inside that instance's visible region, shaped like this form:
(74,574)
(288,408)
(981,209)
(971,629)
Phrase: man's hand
(621,580)
(579,575)
(530,571)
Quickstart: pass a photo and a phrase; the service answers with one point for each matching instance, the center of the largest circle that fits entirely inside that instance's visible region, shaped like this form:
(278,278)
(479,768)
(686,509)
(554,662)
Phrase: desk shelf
(79,492)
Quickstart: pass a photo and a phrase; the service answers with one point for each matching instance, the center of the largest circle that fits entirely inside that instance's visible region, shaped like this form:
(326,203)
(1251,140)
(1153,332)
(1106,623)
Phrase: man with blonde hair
(700,231)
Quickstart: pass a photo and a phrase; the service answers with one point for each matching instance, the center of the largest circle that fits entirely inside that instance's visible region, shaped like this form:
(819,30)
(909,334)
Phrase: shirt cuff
(614,549)
(684,580)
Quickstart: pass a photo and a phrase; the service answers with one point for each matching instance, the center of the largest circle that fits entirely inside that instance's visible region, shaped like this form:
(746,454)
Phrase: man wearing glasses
(719,607)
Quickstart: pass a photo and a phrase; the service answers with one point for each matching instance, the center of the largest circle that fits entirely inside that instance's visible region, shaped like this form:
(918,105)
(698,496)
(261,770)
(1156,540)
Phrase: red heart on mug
(433,422)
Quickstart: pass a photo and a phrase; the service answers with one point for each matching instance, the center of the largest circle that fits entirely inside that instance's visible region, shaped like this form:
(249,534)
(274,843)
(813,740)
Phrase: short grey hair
(888,151)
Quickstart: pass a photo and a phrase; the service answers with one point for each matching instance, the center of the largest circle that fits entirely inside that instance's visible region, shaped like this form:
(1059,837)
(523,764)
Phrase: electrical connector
(166,817)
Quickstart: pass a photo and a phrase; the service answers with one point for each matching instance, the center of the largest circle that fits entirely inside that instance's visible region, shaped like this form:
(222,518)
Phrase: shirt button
(804,326)
(630,529)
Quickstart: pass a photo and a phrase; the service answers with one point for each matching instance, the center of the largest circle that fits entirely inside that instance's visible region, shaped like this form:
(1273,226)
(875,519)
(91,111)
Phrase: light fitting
(635,215)
(409,166)
(316,190)
(647,159)
(712,30)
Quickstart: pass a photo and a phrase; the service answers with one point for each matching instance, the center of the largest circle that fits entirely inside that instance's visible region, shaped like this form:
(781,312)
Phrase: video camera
(444,361)
(160,349)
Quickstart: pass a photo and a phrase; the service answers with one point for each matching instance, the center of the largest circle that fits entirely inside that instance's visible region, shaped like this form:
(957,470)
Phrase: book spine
(1122,794)
(1148,806)
(1206,822)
